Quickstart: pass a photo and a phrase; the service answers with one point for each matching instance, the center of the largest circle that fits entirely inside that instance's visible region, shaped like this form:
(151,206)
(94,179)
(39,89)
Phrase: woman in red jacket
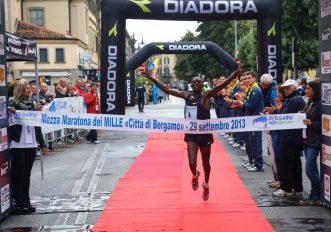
(93,107)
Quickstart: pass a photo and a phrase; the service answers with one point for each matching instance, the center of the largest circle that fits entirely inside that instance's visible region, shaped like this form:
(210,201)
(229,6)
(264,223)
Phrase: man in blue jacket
(291,144)
(252,104)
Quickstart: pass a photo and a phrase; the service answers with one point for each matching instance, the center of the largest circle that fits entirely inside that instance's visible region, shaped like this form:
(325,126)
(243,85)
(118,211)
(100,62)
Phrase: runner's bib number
(191,112)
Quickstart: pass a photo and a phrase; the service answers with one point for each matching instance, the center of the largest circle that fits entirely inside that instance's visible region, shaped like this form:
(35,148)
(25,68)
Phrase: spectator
(83,87)
(44,97)
(312,139)
(93,107)
(34,92)
(63,84)
(155,91)
(291,144)
(58,91)
(79,88)
(140,91)
(269,89)
(252,104)
(23,145)
(302,85)
(160,96)
(88,87)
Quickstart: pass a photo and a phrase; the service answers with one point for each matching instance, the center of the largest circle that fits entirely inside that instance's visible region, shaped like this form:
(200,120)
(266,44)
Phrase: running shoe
(280,193)
(255,169)
(236,145)
(195,181)
(205,194)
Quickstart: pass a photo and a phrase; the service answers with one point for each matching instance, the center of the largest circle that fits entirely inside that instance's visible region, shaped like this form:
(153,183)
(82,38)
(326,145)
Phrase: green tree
(300,19)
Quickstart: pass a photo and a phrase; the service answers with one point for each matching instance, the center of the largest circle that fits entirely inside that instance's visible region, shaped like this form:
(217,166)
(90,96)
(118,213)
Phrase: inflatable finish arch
(173,48)
(115,12)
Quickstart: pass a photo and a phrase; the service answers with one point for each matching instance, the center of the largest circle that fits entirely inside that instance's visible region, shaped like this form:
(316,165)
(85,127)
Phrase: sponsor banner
(326,129)
(327,187)
(326,33)
(5,198)
(66,105)
(19,49)
(2,75)
(325,8)
(326,94)
(3,139)
(4,168)
(149,124)
(3,107)
(326,155)
(326,62)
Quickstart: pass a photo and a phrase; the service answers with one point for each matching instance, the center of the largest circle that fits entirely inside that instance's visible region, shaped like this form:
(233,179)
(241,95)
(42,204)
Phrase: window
(166,71)
(43,55)
(59,55)
(37,17)
(166,60)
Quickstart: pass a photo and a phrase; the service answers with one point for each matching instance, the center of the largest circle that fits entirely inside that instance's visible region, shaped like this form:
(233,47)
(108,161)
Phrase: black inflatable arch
(113,34)
(181,48)
(148,50)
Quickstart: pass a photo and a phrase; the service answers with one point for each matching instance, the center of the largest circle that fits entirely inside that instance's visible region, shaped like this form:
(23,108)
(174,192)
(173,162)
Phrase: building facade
(166,69)
(67,33)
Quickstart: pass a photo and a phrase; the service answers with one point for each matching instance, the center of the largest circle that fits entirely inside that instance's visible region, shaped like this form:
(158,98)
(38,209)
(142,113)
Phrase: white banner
(64,105)
(148,124)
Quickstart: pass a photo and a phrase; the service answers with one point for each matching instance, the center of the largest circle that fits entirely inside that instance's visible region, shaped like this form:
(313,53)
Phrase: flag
(156,65)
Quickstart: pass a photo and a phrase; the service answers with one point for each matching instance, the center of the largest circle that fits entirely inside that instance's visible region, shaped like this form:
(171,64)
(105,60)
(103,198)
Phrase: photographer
(93,106)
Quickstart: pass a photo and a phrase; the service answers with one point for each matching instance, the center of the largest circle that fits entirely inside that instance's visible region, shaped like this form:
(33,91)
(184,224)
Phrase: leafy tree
(300,19)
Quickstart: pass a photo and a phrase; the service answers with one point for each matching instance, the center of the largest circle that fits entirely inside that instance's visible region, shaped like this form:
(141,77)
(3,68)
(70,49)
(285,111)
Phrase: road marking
(64,217)
(81,217)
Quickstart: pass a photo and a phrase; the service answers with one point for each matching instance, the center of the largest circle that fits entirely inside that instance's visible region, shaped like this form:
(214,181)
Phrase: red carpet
(156,194)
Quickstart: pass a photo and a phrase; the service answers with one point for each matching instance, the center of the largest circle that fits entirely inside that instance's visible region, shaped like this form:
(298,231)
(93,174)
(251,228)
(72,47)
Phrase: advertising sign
(325,77)
(4,161)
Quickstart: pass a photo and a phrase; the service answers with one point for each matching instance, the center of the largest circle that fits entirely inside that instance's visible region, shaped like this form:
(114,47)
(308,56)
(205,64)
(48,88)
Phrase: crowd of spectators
(28,142)
(247,97)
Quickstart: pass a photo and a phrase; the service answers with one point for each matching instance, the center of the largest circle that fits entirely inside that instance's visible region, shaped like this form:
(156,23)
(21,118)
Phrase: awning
(52,74)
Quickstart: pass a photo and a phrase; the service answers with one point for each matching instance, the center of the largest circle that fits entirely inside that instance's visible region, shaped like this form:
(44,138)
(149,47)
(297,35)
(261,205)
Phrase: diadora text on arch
(187,47)
(209,7)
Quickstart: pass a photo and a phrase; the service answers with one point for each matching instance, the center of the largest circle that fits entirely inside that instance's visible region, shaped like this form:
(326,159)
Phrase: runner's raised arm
(165,89)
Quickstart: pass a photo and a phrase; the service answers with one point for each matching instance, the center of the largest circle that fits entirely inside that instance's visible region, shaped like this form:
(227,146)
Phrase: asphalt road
(79,179)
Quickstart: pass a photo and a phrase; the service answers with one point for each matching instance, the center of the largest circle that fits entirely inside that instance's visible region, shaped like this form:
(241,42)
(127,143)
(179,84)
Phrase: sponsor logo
(31,50)
(113,31)
(326,62)
(4,169)
(326,94)
(261,122)
(187,47)
(272,61)
(209,7)
(142,4)
(111,78)
(128,91)
(327,187)
(161,47)
(280,119)
(272,30)
(5,198)
(325,8)
(326,34)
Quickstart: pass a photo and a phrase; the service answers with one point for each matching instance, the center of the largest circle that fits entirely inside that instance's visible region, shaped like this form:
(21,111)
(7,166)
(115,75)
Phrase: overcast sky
(160,30)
